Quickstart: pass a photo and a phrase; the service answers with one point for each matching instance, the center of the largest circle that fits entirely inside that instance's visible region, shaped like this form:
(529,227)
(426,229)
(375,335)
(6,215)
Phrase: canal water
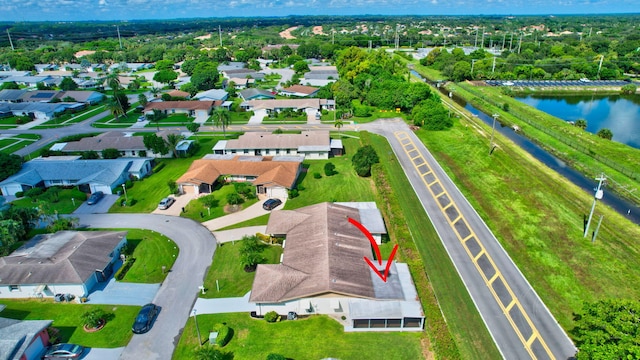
(619,204)
(618,113)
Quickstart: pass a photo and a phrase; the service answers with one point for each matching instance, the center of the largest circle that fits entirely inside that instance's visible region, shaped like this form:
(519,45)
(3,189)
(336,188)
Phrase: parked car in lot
(271,204)
(145,319)
(166,203)
(64,351)
(95,197)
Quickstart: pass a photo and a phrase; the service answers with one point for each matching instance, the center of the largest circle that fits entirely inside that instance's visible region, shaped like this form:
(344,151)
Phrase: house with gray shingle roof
(88,175)
(212,95)
(322,271)
(12,95)
(67,262)
(23,339)
(256,94)
(126,143)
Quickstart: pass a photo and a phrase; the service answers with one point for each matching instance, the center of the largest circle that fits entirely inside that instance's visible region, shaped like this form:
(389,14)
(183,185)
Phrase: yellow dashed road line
(423,170)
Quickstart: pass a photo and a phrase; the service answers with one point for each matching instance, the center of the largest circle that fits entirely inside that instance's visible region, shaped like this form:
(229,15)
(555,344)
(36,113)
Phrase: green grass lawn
(150,190)
(315,337)
(260,220)
(67,318)
(196,207)
(343,186)
(152,251)
(64,205)
(226,268)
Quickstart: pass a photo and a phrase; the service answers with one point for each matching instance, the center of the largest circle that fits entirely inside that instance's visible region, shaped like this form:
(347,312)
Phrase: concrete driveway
(101,207)
(102,354)
(178,292)
(224,305)
(258,116)
(123,293)
(249,213)
(176,208)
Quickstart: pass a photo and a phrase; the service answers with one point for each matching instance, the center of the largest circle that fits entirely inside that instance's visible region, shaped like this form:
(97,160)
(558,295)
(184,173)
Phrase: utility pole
(600,65)
(220,35)
(504,38)
(510,42)
(119,39)
(595,233)
(597,196)
(397,37)
(493,68)
(10,42)
(493,129)
(333,37)
(475,45)
(473,63)
(482,45)
(520,43)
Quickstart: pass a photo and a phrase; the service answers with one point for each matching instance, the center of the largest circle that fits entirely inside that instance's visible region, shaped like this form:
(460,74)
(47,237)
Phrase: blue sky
(70,10)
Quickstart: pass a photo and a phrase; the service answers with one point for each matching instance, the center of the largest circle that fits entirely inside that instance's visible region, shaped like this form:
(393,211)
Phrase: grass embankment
(586,152)
(65,202)
(537,216)
(315,337)
(67,318)
(152,251)
(226,268)
(17,142)
(454,326)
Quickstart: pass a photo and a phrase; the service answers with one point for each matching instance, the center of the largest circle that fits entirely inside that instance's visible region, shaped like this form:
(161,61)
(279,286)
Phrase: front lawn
(226,268)
(197,211)
(68,200)
(67,318)
(152,251)
(346,185)
(315,337)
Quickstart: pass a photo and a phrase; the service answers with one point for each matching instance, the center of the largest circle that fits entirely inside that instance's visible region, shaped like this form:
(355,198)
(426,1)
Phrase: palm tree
(155,91)
(142,99)
(221,118)
(113,81)
(114,107)
(172,143)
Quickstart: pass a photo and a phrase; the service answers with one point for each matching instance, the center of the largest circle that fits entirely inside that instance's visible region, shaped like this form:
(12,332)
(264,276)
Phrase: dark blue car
(145,319)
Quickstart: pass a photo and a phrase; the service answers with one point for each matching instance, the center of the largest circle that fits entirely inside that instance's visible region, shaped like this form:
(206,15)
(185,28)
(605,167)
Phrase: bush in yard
(293,193)
(272,316)
(235,199)
(224,335)
(317,175)
(173,187)
(208,352)
(94,318)
(363,159)
(329,169)
(251,253)
(33,192)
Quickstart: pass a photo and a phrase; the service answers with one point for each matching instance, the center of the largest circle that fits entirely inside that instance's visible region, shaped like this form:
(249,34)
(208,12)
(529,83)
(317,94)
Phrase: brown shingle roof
(111,140)
(285,104)
(268,173)
(66,257)
(303,89)
(183,105)
(323,254)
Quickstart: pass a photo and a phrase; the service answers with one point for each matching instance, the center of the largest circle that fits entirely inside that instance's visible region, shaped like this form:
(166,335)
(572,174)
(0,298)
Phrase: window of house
(288,151)
(246,151)
(14,287)
(277,151)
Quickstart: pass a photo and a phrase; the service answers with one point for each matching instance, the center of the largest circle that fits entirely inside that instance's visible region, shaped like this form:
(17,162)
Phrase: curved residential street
(179,291)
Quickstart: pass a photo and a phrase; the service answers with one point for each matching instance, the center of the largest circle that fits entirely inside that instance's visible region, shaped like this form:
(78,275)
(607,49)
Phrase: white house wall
(11,189)
(30,291)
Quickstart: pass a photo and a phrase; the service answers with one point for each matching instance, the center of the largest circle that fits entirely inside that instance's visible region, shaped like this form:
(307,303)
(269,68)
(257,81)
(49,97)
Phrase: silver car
(166,203)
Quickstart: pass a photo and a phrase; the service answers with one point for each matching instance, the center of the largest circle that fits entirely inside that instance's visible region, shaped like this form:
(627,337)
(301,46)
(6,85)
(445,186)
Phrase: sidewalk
(251,212)
(237,234)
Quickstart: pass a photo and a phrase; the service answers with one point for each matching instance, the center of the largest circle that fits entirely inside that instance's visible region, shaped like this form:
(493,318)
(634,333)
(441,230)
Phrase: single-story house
(179,94)
(35,110)
(272,176)
(85,97)
(23,339)
(129,67)
(242,73)
(126,143)
(231,65)
(12,95)
(89,175)
(212,95)
(256,94)
(67,262)
(9,73)
(310,144)
(40,96)
(295,104)
(239,83)
(322,271)
(320,75)
(32,81)
(191,108)
(45,67)
(299,91)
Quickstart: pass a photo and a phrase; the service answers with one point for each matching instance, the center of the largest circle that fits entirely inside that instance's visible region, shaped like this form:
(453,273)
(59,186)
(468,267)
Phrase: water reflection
(620,114)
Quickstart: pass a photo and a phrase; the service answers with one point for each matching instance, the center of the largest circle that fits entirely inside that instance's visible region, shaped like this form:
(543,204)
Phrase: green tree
(208,352)
(11,85)
(221,118)
(234,199)
(142,99)
(113,82)
(431,115)
(274,356)
(68,84)
(155,143)
(165,76)
(90,154)
(461,71)
(629,89)
(155,91)
(581,123)
(363,159)
(63,223)
(10,232)
(608,329)
(110,153)
(156,117)
(605,133)
(205,76)
(329,169)
(9,165)
(164,65)
(301,67)
(172,142)
(115,108)
(251,253)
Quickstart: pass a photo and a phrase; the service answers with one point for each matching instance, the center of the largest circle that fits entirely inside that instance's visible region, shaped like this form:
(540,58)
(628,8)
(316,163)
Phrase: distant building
(299,91)
(309,144)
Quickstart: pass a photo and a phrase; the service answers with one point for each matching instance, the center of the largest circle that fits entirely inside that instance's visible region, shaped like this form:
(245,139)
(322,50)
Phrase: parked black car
(271,204)
(145,319)
(95,197)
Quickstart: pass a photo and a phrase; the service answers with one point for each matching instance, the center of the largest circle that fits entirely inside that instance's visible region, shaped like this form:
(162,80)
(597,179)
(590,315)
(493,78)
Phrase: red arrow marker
(377,251)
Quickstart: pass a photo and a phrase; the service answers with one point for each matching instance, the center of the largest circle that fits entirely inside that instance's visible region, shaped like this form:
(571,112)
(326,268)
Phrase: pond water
(620,114)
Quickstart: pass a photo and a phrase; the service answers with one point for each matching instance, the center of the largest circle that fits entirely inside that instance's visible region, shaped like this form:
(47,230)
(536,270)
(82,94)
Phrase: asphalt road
(179,291)
(517,319)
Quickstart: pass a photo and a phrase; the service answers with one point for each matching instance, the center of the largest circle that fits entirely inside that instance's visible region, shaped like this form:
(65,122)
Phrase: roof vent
(333,280)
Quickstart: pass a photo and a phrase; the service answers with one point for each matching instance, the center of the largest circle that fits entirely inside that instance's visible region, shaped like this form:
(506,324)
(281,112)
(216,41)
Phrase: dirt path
(286,34)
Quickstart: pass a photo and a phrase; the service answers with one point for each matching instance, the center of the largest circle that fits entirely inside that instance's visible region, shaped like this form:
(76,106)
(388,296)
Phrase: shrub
(329,169)
(123,270)
(132,202)
(276,357)
(272,316)
(235,199)
(317,175)
(94,318)
(20,194)
(34,192)
(363,159)
(224,335)
(293,193)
